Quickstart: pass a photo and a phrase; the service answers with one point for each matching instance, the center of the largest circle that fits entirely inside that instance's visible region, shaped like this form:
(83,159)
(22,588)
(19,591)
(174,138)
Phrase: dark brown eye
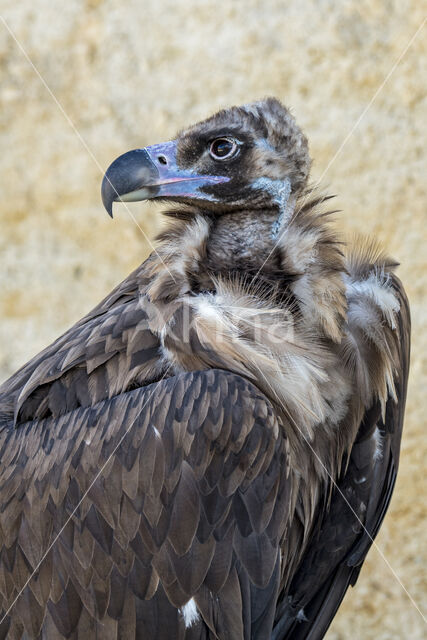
(223,148)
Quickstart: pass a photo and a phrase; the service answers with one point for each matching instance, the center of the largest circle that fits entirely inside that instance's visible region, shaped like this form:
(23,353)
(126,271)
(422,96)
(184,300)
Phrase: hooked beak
(152,172)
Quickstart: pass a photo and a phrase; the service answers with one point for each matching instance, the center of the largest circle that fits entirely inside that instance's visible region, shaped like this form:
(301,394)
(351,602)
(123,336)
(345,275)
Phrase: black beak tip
(107,194)
(127,173)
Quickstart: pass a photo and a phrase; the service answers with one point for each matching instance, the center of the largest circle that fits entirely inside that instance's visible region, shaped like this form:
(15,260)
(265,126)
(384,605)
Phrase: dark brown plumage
(210,451)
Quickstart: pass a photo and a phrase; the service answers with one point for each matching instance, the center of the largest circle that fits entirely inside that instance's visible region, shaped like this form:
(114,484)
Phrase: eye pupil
(222,148)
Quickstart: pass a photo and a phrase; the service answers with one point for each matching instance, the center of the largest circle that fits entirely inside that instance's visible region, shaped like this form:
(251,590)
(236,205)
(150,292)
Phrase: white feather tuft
(378,454)
(377,287)
(190,614)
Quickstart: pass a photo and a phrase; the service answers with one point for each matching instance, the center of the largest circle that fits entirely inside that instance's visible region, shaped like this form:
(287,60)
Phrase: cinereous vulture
(210,452)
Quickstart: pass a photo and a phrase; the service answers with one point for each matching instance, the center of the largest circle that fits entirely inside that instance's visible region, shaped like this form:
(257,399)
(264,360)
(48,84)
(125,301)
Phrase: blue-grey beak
(152,172)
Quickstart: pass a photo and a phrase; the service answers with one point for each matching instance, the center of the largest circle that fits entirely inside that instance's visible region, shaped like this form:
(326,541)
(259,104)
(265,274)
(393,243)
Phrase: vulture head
(250,156)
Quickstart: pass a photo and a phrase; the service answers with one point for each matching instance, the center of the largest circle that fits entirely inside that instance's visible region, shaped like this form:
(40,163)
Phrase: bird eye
(223,148)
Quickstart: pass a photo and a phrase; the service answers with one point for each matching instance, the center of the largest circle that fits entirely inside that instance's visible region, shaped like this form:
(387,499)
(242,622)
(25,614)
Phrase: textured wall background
(126,74)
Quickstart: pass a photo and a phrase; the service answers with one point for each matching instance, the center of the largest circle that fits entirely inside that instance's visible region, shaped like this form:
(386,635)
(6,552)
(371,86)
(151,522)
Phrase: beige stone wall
(126,74)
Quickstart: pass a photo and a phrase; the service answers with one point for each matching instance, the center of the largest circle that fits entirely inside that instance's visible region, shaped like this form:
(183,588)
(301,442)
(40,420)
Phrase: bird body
(210,452)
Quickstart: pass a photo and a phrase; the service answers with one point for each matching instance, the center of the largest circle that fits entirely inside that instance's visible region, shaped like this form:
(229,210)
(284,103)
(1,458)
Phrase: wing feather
(140,495)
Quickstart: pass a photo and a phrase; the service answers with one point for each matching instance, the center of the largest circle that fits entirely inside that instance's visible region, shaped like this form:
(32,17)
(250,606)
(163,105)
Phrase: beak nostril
(162,160)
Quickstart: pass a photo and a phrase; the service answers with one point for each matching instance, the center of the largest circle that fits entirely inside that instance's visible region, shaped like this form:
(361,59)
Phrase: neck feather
(304,256)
